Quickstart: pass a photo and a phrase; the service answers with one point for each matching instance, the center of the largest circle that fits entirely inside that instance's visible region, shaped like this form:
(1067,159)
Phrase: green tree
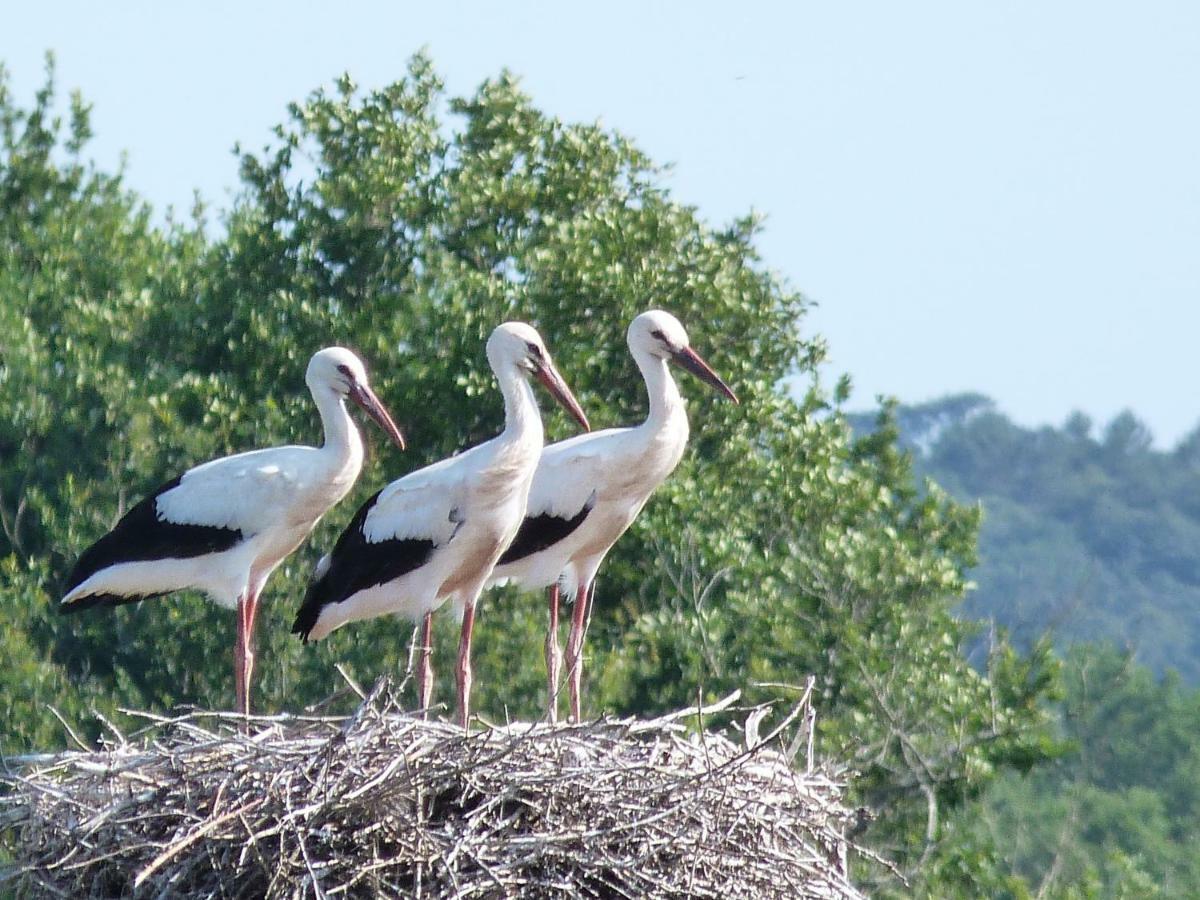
(1090,535)
(81,265)
(1120,811)
(781,547)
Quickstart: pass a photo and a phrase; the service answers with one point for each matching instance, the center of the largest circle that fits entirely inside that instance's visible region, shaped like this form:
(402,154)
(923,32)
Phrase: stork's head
(515,345)
(338,370)
(660,334)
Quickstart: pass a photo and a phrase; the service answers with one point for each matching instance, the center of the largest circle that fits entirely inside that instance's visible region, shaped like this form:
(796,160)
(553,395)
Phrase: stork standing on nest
(435,534)
(224,526)
(588,490)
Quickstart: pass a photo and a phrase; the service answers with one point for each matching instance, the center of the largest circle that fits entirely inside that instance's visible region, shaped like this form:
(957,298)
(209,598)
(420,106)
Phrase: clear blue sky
(1002,197)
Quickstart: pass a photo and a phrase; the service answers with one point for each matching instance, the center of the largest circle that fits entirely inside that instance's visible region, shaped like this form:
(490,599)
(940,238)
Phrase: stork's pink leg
(587,620)
(244,651)
(251,620)
(553,657)
(575,649)
(425,666)
(239,657)
(464,665)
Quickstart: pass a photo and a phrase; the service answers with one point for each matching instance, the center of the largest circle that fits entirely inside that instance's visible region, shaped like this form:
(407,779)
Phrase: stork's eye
(657,333)
(344,371)
(534,350)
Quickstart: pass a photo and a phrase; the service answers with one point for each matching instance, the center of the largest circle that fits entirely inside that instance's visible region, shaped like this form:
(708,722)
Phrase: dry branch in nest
(386,804)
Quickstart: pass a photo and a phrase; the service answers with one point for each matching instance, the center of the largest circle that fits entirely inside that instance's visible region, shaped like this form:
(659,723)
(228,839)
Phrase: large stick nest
(386,804)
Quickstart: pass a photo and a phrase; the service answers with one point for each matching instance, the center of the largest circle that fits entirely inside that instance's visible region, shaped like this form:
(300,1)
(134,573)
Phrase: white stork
(588,490)
(435,534)
(224,526)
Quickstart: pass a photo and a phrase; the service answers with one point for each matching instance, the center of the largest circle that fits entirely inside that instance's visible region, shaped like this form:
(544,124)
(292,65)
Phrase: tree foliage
(407,224)
(1118,815)
(1088,532)
(1088,535)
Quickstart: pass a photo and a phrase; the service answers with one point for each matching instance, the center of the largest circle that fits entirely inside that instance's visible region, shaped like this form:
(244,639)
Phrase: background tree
(1089,535)
(1088,532)
(85,414)
(1117,816)
(781,547)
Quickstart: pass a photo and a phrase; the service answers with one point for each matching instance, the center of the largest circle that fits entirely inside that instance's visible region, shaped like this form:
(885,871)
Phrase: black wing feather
(541,531)
(141,536)
(357,564)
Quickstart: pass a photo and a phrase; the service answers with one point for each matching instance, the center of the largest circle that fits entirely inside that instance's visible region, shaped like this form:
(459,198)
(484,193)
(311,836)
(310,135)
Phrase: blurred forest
(1089,538)
(405,224)
(1088,533)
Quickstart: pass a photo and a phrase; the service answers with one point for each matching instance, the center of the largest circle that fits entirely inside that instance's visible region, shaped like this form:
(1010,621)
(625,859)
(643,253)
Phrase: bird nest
(384,803)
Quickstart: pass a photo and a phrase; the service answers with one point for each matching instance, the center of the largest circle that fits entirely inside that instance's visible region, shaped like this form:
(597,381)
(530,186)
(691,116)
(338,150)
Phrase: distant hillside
(1089,532)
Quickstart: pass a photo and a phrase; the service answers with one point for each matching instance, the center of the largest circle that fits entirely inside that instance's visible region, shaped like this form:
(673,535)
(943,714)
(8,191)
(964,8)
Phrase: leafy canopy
(406,225)
(1090,532)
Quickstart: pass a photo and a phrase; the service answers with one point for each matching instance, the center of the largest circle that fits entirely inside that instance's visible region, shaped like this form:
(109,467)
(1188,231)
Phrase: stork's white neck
(522,419)
(665,400)
(343,444)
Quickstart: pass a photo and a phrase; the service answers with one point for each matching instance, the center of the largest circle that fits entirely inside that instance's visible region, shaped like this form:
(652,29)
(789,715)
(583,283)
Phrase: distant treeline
(1089,533)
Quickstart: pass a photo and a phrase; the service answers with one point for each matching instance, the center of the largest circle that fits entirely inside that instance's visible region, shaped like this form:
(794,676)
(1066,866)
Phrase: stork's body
(589,489)
(434,535)
(224,526)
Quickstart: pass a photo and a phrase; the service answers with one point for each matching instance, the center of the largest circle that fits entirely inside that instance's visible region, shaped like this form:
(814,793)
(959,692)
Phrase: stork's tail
(316,597)
(71,604)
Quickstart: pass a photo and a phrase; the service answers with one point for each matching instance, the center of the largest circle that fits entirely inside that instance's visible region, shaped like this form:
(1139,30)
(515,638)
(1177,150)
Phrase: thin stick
(354,685)
(180,846)
(70,731)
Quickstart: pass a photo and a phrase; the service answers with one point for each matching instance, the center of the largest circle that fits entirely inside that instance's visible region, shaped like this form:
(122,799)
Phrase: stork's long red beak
(365,397)
(694,363)
(548,375)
